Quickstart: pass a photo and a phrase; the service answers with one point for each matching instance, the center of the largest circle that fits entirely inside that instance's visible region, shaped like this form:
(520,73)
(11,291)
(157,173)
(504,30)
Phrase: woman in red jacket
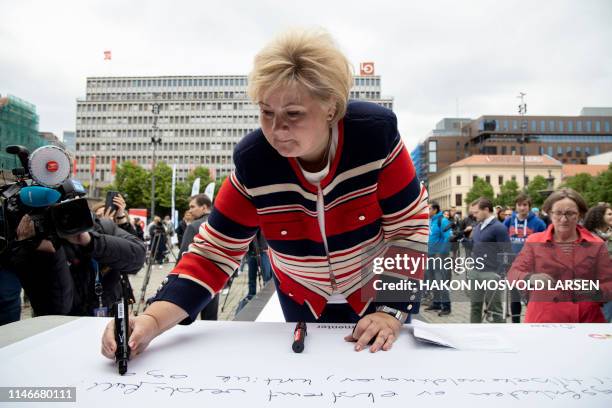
(565,259)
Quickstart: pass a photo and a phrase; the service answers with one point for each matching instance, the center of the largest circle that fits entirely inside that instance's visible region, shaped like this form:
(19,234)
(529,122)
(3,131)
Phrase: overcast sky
(436,58)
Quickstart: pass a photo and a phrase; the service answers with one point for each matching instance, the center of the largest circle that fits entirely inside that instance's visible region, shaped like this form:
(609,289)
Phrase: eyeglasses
(570,215)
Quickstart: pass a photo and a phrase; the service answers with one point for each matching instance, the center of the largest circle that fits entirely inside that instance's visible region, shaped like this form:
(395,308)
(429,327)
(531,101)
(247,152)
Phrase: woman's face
(295,123)
(564,214)
(608,217)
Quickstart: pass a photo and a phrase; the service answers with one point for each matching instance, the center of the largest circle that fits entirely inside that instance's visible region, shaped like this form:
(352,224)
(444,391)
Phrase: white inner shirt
(315,178)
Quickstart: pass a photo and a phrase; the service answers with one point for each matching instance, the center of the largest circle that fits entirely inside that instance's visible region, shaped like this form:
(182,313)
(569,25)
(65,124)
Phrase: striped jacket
(371,195)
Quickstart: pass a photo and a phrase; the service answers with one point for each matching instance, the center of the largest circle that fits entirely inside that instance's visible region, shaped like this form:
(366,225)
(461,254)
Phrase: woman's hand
(143,329)
(382,328)
(542,277)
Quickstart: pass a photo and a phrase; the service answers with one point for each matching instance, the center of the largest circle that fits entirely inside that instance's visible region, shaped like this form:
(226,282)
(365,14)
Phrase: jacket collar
(584,235)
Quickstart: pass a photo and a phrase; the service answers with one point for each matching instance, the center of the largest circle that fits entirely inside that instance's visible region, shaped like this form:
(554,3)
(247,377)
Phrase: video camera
(45,191)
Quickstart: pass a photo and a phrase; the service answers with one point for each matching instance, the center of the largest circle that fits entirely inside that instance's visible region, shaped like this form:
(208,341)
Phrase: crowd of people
(565,240)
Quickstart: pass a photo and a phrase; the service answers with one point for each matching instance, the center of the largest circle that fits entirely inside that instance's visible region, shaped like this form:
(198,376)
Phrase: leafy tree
(600,189)
(480,188)
(508,193)
(134,183)
(534,187)
(579,182)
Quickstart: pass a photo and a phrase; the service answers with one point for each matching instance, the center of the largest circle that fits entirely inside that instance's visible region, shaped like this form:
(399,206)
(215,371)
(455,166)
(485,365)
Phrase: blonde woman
(329,183)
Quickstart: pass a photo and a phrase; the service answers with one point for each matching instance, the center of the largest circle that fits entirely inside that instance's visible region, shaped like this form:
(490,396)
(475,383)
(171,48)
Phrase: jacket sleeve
(405,218)
(215,253)
(46,279)
(604,272)
(118,249)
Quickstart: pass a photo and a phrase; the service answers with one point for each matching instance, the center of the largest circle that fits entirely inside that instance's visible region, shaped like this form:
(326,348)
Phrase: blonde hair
(308,58)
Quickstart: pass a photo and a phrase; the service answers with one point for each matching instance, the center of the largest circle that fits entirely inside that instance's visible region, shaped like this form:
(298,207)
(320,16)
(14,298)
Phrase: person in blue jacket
(439,248)
(522,223)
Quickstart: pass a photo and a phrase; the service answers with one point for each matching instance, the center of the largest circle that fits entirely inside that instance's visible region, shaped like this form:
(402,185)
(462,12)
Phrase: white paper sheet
(246,364)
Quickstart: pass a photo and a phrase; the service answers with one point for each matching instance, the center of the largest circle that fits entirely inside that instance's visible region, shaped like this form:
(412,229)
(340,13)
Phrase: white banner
(210,191)
(195,189)
(174,218)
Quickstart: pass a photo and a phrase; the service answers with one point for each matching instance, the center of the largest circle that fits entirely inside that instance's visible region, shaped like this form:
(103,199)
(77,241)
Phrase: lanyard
(98,290)
(524,227)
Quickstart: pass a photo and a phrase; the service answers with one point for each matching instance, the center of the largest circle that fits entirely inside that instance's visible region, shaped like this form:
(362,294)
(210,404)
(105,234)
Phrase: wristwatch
(398,314)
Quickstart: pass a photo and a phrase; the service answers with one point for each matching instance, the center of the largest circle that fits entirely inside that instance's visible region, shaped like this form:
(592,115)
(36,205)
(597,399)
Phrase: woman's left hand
(380,327)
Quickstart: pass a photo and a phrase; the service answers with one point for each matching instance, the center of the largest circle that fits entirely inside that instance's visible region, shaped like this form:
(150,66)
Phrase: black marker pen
(122,355)
(298,337)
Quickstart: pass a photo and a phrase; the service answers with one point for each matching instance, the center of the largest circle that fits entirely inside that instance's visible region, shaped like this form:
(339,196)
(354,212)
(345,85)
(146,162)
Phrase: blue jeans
(10,300)
(266,271)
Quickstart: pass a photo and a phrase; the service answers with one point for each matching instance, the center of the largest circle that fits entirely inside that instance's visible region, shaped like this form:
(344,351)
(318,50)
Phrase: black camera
(44,191)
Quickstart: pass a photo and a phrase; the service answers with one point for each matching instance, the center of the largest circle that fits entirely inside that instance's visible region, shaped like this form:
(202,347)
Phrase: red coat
(590,262)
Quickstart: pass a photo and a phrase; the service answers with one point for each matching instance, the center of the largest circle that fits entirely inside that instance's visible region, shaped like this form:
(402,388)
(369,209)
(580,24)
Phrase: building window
(526,180)
(578,151)
(433,167)
(433,145)
(458,180)
(504,150)
(513,178)
(514,125)
(596,150)
(587,151)
(542,125)
(474,177)
(578,126)
(458,200)
(551,125)
(541,150)
(588,126)
(432,157)
(570,125)
(533,126)
(505,124)
(597,126)
(560,125)
(513,150)
(488,179)
(607,126)
(500,180)
(568,151)
(559,150)
(550,150)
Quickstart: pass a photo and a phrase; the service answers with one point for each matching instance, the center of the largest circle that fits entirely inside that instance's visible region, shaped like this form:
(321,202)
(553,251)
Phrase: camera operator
(62,279)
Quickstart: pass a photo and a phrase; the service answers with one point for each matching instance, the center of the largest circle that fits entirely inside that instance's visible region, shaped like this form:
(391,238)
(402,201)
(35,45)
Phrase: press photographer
(67,261)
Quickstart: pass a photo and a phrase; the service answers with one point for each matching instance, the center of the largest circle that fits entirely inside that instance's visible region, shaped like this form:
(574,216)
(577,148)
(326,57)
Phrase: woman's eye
(294,114)
(267,114)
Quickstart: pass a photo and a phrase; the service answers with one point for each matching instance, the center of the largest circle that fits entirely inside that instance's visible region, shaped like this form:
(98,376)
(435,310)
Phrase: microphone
(37,196)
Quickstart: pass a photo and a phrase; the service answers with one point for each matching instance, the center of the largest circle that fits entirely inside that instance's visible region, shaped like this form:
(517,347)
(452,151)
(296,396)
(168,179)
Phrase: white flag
(195,189)
(210,191)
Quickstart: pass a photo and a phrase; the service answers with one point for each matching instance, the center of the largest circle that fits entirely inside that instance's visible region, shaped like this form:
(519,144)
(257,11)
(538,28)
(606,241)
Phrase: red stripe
(231,201)
(396,176)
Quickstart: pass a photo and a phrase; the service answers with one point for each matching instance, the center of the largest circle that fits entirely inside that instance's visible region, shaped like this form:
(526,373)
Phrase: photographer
(119,217)
(61,278)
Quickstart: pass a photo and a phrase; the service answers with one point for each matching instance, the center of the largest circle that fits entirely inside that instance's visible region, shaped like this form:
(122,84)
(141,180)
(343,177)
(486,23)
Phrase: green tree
(508,193)
(534,187)
(480,188)
(579,182)
(134,183)
(600,188)
(163,188)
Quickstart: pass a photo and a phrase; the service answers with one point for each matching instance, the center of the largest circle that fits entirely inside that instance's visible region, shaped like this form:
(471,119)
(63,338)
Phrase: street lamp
(155,141)
(522,109)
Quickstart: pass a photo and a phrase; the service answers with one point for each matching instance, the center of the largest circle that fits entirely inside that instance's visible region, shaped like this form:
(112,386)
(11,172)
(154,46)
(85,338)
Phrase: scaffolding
(18,126)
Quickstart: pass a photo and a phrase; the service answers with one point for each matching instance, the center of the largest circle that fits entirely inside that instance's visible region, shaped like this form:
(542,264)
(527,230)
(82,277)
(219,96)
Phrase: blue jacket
(518,230)
(439,234)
